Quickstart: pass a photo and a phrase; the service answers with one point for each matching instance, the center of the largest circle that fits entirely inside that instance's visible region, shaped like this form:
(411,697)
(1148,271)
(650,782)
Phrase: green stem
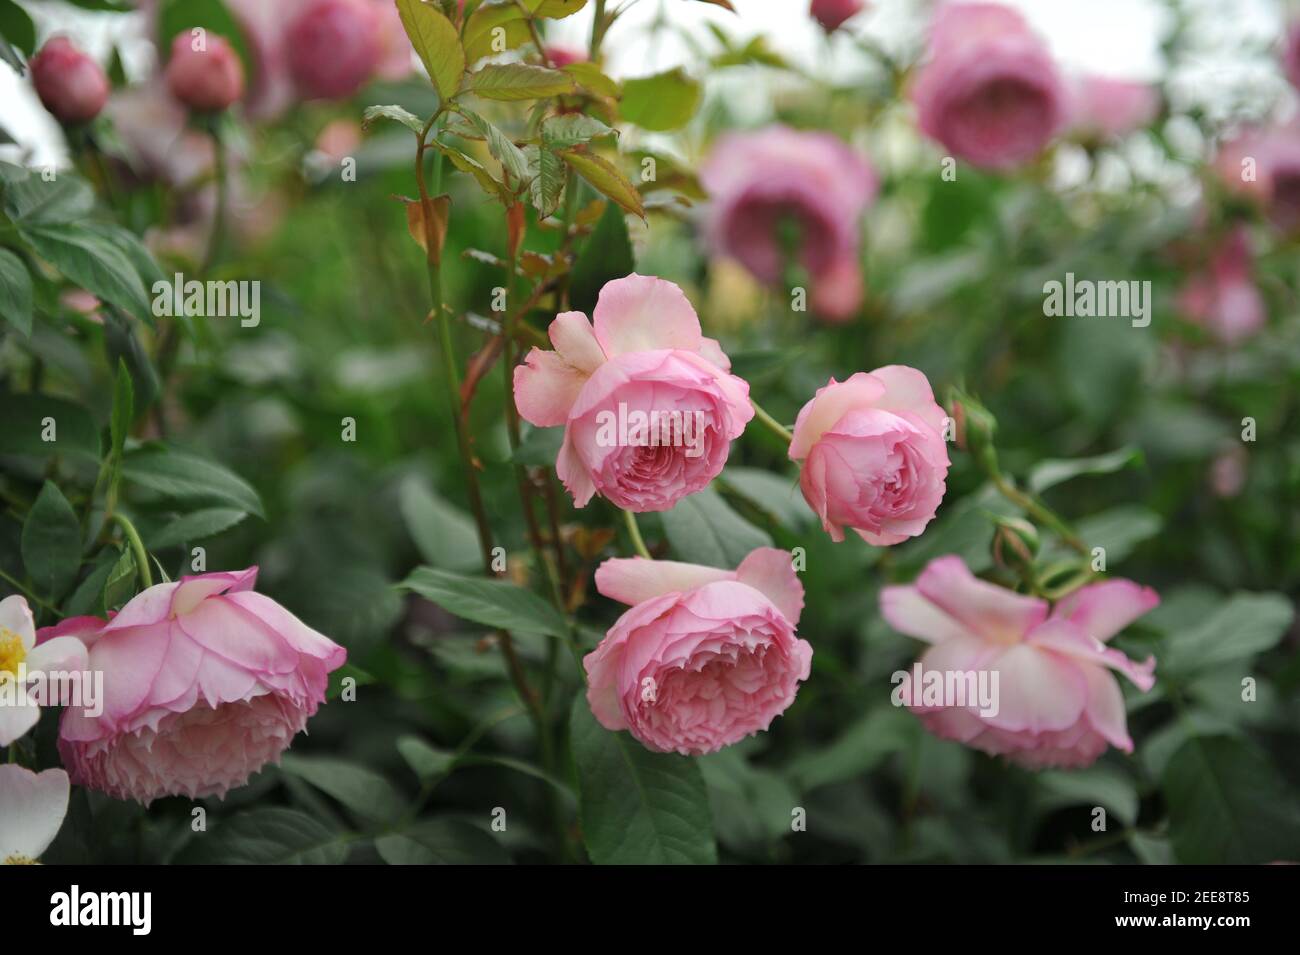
(1039,512)
(771,423)
(638,543)
(19,585)
(137,549)
(219,217)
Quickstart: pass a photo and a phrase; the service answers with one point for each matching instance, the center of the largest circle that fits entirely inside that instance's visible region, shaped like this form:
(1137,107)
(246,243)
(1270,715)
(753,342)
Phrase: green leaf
(88,597)
(268,837)
(571,129)
(703,529)
(518,81)
(395,113)
(775,494)
(1119,530)
(606,179)
(858,750)
(493,603)
(590,77)
(346,672)
(501,147)
(33,200)
(17,27)
(120,424)
(607,255)
(92,261)
(29,419)
(638,807)
(661,102)
(120,585)
(177,475)
(547,174)
(1243,626)
(465,163)
(437,44)
(15,292)
(554,9)
(1052,472)
(441,842)
(426,761)
(540,447)
(196,526)
(1228,805)
(445,535)
(751,806)
(51,542)
(486,18)
(360,789)
(1098,785)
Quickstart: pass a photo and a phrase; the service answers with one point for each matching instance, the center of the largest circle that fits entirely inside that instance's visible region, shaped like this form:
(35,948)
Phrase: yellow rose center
(12,653)
(20,860)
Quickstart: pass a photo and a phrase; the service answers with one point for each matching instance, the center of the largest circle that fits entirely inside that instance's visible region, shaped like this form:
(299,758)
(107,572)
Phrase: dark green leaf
(360,789)
(703,529)
(493,603)
(15,292)
(179,476)
(51,542)
(196,526)
(268,837)
(441,842)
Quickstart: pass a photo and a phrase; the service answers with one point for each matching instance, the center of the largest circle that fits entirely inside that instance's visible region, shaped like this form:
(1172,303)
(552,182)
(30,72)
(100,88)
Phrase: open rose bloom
(1058,703)
(990,92)
(1223,298)
(1105,106)
(778,183)
(644,362)
(874,458)
(705,657)
(205,681)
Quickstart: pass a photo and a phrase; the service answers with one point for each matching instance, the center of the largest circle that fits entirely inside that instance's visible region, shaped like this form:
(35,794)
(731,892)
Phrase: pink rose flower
(990,92)
(873,453)
(333,47)
(1224,298)
(32,807)
(561,56)
(1264,165)
(705,657)
(70,84)
(205,682)
(208,79)
(1291,55)
(762,183)
(1105,107)
(648,407)
(1056,702)
(832,13)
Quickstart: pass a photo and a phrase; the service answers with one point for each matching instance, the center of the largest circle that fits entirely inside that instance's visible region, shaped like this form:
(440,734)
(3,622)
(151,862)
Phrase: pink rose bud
(204,72)
(565,55)
(1264,165)
(1224,298)
(768,185)
(990,93)
(70,84)
(873,453)
(333,47)
(1053,701)
(1291,55)
(705,657)
(205,682)
(832,13)
(648,406)
(1106,107)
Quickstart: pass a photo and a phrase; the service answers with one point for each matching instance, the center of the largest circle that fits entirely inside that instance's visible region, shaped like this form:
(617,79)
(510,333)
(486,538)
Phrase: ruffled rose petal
(546,387)
(771,572)
(831,403)
(1037,691)
(642,313)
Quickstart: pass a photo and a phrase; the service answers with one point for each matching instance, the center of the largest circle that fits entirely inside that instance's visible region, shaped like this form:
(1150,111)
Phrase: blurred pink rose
(760,182)
(207,78)
(32,807)
(648,406)
(837,293)
(873,453)
(205,682)
(705,657)
(832,13)
(1291,55)
(333,47)
(1265,165)
(561,56)
(1107,107)
(990,92)
(1223,297)
(1056,702)
(155,129)
(1228,471)
(70,84)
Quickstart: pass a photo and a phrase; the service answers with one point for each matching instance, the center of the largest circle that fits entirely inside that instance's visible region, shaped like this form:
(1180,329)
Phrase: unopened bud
(70,84)
(206,77)
(1015,543)
(832,13)
(334,47)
